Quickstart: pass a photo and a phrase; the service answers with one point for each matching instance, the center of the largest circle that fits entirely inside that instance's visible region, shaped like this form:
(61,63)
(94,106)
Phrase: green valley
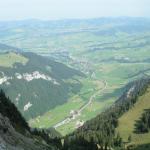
(74,75)
(114,51)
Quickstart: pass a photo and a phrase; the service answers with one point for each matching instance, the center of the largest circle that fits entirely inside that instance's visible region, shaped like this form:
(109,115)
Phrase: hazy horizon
(72,9)
(69,19)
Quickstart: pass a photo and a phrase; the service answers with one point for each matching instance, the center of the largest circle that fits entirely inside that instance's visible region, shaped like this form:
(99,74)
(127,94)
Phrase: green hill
(37,84)
(9,59)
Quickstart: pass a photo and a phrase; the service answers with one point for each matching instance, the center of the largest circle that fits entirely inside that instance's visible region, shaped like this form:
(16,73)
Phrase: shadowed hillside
(37,84)
(15,133)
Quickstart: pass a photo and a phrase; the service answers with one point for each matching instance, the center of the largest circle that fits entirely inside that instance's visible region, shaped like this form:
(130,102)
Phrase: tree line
(143,125)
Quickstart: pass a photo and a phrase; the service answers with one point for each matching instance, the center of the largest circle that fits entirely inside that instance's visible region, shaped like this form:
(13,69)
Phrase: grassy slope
(128,120)
(9,59)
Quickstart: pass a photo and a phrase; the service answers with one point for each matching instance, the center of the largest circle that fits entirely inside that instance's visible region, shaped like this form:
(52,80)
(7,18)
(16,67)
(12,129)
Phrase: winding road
(79,111)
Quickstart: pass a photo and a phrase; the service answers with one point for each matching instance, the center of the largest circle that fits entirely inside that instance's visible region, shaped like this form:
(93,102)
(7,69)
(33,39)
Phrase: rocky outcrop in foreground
(10,139)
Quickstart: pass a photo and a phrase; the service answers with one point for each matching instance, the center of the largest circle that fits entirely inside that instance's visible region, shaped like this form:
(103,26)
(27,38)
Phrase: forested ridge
(43,95)
(100,132)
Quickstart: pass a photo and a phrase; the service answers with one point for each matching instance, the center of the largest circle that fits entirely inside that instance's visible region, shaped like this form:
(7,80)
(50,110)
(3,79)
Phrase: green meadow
(9,59)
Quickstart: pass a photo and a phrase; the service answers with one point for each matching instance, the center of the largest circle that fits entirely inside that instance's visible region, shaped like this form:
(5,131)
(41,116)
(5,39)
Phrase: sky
(70,9)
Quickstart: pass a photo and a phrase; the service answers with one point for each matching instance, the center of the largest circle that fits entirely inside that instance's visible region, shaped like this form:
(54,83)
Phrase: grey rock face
(10,139)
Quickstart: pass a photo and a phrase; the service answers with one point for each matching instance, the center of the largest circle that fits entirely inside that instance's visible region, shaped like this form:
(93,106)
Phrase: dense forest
(143,125)
(43,95)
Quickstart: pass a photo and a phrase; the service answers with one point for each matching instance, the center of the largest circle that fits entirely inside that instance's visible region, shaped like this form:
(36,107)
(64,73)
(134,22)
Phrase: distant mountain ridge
(7,48)
(44,36)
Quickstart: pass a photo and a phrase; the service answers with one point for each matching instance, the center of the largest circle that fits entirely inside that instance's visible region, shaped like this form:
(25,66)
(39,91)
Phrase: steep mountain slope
(37,84)
(127,122)
(10,139)
(100,132)
(15,133)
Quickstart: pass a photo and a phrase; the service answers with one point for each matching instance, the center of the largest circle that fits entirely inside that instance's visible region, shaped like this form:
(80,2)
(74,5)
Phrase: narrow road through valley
(79,111)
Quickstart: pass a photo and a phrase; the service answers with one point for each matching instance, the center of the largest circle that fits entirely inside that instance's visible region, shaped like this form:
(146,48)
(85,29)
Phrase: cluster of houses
(73,115)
